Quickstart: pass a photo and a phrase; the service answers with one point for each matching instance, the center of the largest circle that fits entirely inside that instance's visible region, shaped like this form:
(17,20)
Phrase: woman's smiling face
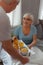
(27,21)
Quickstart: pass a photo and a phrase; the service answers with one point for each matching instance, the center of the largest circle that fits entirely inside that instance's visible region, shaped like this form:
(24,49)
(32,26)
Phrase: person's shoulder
(34,30)
(33,27)
(2,10)
(19,27)
(3,14)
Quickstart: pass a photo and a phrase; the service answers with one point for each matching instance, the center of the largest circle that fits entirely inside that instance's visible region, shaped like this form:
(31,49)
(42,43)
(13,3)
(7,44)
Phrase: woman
(28,34)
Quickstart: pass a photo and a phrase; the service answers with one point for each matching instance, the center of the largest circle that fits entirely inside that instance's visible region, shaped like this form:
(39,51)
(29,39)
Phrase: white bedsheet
(36,59)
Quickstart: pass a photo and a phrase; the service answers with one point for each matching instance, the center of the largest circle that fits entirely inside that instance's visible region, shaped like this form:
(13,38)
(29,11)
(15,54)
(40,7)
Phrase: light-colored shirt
(4,26)
(27,39)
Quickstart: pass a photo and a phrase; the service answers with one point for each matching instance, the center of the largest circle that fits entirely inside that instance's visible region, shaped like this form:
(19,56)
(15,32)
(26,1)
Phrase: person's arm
(7,45)
(33,42)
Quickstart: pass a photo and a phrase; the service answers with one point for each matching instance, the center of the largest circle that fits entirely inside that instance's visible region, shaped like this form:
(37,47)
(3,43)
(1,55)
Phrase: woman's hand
(29,46)
(33,42)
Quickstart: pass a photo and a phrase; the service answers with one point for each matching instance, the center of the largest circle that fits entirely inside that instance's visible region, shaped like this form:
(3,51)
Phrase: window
(41,10)
(15,16)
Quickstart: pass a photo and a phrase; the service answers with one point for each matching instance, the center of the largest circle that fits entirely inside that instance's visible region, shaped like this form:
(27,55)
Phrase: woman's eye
(27,19)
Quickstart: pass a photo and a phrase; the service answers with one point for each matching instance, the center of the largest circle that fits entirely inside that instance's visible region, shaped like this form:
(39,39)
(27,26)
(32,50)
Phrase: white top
(4,26)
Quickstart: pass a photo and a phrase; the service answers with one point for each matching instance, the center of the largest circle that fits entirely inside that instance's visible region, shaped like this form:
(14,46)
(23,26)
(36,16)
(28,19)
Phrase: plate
(24,47)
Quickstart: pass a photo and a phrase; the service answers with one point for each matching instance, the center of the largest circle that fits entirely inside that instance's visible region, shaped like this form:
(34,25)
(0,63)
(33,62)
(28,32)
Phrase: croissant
(15,43)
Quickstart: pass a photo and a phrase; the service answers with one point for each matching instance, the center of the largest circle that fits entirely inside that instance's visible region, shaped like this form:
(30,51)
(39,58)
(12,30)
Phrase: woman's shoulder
(18,27)
(33,27)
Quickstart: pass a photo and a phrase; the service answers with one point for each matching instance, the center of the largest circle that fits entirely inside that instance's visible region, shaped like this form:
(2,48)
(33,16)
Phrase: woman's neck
(26,30)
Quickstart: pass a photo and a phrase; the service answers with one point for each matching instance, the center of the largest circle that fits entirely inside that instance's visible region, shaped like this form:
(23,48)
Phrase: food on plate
(24,51)
(15,43)
(21,44)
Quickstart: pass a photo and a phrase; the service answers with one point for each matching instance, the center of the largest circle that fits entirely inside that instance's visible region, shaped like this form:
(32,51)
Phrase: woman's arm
(33,42)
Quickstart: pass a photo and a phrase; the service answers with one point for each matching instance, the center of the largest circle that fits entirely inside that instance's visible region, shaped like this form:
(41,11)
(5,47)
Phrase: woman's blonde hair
(30,16)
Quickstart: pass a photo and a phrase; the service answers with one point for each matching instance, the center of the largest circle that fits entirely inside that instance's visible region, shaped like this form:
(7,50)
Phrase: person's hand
(25,60)
(29,46)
